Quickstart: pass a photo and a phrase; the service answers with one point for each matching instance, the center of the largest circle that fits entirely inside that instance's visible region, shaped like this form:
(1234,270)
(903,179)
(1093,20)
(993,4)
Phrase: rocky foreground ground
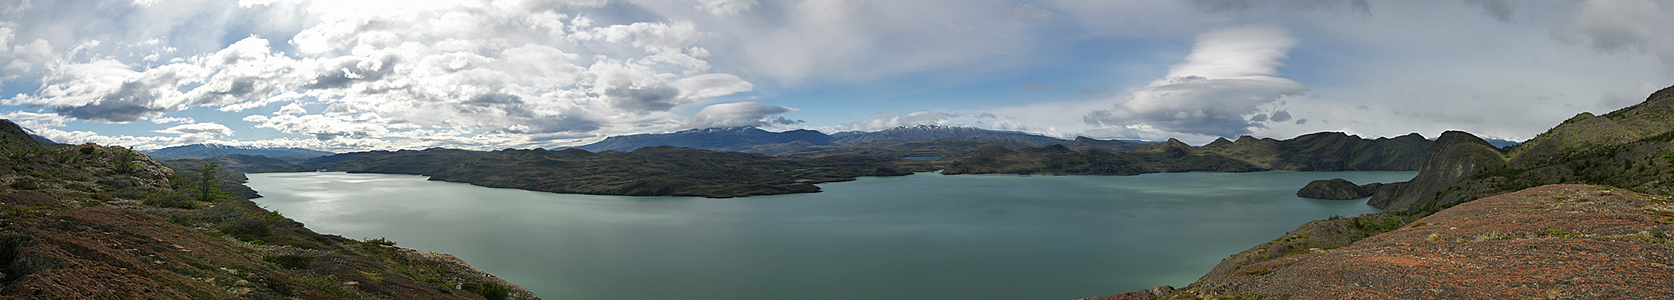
(1547,242)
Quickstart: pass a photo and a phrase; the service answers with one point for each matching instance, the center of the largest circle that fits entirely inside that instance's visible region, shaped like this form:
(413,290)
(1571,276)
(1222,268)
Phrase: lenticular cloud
(1229,75)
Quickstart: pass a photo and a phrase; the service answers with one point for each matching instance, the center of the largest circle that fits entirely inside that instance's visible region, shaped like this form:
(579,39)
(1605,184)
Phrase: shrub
(290,261)
(246,228)
(492,291)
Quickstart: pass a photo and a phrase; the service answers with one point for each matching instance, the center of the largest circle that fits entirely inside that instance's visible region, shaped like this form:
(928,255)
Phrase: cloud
(517,71)
(922,117)
(1499,9)
(198,132)
(1281,116)
(1229,75)
(726,7)
(1029,12)
(1036,87)
(1617,26)
(167,120)
(737,114)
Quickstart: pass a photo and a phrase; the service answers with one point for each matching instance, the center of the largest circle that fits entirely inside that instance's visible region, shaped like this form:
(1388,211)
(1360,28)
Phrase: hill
(1325,151)
(198,151)
(649,171)
(1631,148)
(94,222)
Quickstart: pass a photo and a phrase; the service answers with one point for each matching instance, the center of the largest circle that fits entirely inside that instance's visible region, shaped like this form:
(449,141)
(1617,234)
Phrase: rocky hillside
(1631,148)
(95,222)
(1548,242)
(1325,151)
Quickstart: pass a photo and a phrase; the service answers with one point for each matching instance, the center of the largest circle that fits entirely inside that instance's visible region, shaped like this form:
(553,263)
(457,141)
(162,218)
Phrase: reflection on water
(923,236)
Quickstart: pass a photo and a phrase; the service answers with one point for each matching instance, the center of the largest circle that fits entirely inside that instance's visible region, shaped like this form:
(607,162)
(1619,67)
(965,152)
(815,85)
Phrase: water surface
(924,236)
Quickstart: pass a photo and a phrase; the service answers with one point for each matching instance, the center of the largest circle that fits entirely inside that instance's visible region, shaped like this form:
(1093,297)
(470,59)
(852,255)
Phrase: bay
(924,236)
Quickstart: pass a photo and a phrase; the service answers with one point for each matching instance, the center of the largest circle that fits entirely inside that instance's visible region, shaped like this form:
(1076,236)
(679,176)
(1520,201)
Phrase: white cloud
(921,117)
(735,115)
(166,120)
(1229,76)
(522,71)
(198,132)
(726,7)
(1621,25)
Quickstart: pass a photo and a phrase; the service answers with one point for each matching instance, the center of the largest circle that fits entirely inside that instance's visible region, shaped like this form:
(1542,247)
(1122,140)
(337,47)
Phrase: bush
(492,291)
(290,261)
(246,228)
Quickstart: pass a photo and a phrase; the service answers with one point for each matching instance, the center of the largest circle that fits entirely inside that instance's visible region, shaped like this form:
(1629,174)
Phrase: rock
(1454,155)
(1333,189)
(1140,294)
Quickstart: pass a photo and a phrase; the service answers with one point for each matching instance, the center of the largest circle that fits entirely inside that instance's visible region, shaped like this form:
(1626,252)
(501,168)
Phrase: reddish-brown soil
(1548,242)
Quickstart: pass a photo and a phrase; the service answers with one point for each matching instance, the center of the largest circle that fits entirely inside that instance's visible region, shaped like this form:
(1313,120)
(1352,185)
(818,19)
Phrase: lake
(924,236)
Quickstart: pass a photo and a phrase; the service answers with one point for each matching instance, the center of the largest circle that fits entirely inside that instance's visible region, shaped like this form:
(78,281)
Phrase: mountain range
(904,141)
(1325,151)
(212,150)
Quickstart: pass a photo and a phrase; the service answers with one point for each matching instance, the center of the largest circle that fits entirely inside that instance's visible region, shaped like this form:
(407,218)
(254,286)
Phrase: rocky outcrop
(1334,189)
(1454,155)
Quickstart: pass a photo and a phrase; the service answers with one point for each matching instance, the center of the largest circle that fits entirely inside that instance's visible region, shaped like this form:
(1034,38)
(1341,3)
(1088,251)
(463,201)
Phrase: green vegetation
(490,290)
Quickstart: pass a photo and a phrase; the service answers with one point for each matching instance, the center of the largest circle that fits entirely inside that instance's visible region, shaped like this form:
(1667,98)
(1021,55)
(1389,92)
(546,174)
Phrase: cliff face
(1453,156)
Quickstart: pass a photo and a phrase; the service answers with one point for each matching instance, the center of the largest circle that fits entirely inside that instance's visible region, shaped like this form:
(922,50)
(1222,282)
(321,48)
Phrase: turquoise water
(924,236)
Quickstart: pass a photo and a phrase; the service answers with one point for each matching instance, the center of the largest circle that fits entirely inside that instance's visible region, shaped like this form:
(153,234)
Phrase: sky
(476,74)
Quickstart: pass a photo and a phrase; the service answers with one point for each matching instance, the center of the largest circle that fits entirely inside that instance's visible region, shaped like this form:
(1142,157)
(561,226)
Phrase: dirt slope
(1547,242)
